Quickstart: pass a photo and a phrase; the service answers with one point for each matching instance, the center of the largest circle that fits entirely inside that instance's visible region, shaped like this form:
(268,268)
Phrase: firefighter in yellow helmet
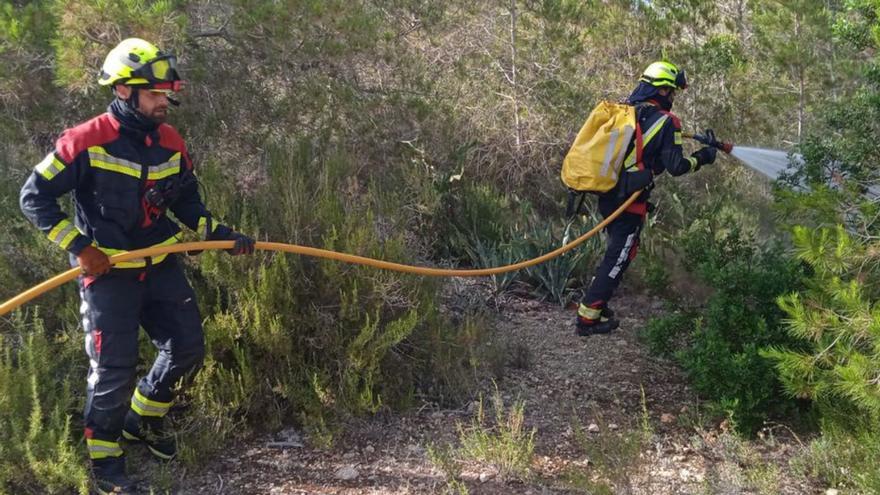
(126,169)
(659,132)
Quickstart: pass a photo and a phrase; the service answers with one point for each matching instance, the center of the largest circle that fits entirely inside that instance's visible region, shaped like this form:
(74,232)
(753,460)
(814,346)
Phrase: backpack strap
(640,147)
(575,203)
(639,207)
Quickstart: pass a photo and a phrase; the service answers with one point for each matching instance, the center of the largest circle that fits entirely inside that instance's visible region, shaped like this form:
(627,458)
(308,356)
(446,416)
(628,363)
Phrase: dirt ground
(572,388)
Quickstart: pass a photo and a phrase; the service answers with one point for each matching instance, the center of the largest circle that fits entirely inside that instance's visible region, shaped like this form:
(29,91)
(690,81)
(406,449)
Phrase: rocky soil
(582,396)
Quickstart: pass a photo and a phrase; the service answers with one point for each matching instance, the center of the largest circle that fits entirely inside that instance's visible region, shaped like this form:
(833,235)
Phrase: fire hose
(71,274)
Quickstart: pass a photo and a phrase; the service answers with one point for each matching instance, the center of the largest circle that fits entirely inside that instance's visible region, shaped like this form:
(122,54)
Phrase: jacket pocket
(120,207)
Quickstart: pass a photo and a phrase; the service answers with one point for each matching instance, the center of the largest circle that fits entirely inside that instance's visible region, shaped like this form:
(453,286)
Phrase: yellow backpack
(594,162)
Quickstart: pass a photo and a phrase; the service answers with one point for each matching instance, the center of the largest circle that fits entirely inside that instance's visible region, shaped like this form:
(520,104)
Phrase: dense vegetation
(432,132)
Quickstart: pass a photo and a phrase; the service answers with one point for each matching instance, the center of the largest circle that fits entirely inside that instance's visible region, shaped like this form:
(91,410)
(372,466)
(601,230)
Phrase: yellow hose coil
(71,274)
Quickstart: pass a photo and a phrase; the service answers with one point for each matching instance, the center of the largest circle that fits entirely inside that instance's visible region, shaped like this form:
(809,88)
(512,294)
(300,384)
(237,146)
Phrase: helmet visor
(681,80)
(167,87)
(159,70)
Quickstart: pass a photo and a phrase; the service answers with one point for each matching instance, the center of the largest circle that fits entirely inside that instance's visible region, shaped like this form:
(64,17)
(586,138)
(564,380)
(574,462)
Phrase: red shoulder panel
(171,139)
(675,121)
(97,131)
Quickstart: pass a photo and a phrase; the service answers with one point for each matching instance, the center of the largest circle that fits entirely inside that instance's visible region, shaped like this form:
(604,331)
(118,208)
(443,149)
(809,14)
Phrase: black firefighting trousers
(623,244)
(114,305)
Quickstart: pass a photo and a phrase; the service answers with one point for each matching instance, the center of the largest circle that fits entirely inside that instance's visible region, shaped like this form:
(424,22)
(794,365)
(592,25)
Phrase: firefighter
(660,151)
(126,170)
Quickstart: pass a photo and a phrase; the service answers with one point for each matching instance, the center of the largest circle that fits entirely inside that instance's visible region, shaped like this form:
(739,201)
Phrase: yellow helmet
(664,74)
(136,62)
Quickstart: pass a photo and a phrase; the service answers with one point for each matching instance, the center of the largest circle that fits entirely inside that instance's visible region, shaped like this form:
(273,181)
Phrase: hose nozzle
(709,139)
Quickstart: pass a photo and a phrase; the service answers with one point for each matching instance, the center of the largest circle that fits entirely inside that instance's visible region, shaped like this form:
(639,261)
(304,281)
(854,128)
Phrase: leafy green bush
(487,231)
(722,353)
(667,334)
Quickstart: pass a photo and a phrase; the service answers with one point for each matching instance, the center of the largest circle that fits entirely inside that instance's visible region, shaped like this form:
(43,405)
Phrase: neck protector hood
(125,111)
(644,92)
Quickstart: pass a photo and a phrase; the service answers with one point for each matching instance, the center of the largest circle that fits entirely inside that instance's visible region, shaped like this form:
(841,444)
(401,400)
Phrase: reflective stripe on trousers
(114,306)
(623,244)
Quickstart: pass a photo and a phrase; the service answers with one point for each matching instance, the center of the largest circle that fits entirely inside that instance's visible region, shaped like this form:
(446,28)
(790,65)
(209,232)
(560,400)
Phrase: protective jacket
(123,180)
(125,171)
(661,151)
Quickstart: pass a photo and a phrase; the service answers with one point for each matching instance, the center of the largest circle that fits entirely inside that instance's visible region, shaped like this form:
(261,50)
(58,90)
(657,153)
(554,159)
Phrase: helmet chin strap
(133,100)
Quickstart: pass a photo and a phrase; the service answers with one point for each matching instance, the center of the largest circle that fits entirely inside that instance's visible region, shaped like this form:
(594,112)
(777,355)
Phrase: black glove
(705,156)
(243,244)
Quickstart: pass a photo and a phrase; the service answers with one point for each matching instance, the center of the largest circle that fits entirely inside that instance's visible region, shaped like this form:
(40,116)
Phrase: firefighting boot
(594,320)
(110,478)
(586,327)
(153,432)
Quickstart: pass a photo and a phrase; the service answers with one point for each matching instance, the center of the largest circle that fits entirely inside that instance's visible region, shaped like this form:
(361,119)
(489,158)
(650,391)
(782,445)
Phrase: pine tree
(838,316)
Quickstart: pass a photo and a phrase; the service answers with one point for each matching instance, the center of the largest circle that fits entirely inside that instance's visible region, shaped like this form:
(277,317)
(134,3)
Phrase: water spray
(768,162)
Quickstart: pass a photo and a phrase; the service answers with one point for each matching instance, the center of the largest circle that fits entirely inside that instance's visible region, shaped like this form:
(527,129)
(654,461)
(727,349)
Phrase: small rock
(347,473)
(288,438)
(612,426)
(593,428)
(486,476)
(369,449)
(831,491)
(667,418)
(284,445)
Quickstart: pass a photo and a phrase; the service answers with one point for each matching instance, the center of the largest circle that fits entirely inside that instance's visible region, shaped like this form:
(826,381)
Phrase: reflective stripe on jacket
(108,167)
(662,152)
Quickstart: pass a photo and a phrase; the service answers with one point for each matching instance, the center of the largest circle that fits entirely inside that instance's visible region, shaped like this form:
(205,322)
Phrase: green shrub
(843,458)
(37,380)
(615,454)
(313,339)
(835,321)
(556,278)
(502,442)
(722,354)
(666,334)
(507,444)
